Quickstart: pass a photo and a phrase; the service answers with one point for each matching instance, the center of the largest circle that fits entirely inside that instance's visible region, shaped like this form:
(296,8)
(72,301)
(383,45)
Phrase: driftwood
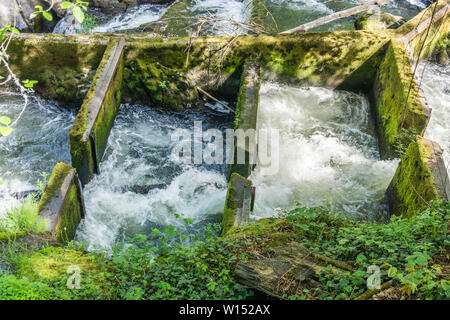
(371,292)
(291,269)
(337,15)
(212,98)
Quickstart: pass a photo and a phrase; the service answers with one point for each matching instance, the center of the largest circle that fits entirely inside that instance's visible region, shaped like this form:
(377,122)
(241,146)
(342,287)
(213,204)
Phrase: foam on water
(328,153)
(138,154)
(436,87)
(132,18)
(37,143)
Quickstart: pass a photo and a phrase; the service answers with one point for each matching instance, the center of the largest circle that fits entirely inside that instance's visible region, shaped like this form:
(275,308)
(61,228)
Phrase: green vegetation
(23,218)
(170,265)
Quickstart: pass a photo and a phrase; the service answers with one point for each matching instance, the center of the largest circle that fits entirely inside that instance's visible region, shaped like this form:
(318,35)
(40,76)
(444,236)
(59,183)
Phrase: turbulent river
(328,153)
(139,154)
(328,150)
(285,14)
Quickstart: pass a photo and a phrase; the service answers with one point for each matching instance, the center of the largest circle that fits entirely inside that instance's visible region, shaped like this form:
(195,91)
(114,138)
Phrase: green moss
(59,173)
(276,231)
(81,149)
(234,200)
(51,265)
(61,66)
(397,100)
(413,184)
(71,215)
(320,59)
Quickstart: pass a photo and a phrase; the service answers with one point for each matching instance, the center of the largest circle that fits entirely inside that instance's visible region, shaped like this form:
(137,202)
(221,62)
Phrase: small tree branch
(337,15)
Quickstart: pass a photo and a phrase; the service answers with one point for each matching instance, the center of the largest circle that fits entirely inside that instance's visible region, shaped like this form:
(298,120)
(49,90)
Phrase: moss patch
(413,184)
(61,65)
(398,103)
(59,173)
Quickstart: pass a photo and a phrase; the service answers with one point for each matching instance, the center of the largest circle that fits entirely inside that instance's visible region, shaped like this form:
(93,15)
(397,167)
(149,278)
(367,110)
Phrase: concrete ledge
(62,203)
(420,177)
(246,119)
(400,109)
(91,128)
(238,204)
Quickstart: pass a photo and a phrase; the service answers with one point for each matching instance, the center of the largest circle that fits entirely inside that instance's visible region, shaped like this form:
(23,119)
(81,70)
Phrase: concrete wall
(91,128)
(400,109)
(420,178)
(238,203)
(62,203)
(64,66)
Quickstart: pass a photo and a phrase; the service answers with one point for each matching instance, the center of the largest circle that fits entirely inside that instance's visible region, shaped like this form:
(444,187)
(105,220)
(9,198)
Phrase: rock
(9,11)
(378,20)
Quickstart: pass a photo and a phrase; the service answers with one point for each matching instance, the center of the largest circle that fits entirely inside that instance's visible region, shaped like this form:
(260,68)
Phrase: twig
(216,100)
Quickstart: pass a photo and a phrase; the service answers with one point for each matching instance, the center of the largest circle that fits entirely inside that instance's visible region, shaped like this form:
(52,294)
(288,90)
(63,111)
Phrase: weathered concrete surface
(62,203)
(238,203)
(420,177)
(64,66)
(291,269)
(90,131)
(399,104)
(245,120)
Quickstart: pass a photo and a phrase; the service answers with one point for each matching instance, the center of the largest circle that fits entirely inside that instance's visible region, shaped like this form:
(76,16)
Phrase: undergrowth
(168,265)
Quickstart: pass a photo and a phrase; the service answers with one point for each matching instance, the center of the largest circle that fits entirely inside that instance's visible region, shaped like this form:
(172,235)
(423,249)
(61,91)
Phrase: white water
(37,143)
(138,153)
(328,153)
(132,18)
(436,87)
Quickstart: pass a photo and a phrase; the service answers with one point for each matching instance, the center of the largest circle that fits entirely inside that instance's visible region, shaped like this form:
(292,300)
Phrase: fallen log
(337,15)
(291,269)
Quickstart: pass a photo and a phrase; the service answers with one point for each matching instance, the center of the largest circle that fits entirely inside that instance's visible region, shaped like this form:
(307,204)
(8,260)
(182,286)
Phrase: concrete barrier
(62,203)
(400,110)
(239,202)
(245,146)
(421,177)
(91,128)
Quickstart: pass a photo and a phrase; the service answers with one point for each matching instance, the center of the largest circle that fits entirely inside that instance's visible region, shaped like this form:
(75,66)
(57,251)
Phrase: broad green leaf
(5,131)
(66,5)
(78,14)
(34,15)
(48,16)
(5,120)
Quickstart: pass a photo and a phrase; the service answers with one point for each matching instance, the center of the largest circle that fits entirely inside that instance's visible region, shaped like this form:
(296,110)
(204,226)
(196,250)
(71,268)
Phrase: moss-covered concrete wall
(92,125)
(165,73)
(63,65)
(62,203)
(401,113)
(237,205)
(246,116)
(420,178)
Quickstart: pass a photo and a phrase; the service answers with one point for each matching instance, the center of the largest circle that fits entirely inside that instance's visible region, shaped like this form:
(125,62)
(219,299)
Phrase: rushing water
(291,13)
(37,143)
(436,87)
(328,153)
(139,154)
(286,13)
